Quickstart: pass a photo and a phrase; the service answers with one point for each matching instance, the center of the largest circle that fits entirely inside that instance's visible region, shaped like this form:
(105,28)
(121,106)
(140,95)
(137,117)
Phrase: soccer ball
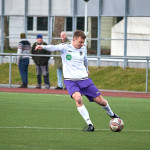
(116,124)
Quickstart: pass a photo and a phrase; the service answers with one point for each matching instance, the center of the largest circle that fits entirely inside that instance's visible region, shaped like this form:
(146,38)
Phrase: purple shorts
(85,87)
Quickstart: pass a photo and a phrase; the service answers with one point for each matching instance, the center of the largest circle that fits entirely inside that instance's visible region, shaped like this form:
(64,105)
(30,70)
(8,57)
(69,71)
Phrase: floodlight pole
(85,20)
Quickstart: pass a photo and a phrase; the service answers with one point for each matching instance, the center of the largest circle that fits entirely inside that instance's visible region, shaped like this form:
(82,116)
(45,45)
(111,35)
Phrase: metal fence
(147,59)
(74,9)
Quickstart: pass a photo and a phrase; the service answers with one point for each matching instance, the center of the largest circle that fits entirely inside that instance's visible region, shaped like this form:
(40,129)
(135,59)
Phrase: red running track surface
(52,91)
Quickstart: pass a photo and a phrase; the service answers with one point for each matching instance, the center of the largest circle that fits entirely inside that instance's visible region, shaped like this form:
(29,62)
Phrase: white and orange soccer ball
(116,124)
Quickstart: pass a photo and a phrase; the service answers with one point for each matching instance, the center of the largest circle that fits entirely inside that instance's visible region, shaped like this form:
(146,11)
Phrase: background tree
(58,27)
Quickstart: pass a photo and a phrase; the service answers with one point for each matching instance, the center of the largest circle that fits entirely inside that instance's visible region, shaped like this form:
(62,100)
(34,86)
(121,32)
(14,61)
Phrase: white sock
(108,110)
(84,113)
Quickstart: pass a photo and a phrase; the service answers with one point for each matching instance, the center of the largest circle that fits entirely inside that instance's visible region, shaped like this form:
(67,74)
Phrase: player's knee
(78,99)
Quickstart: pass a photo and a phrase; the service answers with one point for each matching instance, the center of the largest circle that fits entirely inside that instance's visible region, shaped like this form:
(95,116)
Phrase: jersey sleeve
(52,48)
(86,61)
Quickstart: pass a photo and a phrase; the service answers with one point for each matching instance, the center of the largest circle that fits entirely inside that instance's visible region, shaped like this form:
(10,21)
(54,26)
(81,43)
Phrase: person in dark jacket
(41,63)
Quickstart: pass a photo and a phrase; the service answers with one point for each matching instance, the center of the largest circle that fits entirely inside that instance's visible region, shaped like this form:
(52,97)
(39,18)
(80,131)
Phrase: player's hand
(88,73)
(38,47)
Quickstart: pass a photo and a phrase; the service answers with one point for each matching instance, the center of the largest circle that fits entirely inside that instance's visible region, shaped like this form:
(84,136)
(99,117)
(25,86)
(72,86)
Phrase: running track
(52,91)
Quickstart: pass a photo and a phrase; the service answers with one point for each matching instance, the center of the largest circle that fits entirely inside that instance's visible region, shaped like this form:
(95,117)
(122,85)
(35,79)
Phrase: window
(42,23)
(80,23)
(69,24)
(30,23)
(119,19)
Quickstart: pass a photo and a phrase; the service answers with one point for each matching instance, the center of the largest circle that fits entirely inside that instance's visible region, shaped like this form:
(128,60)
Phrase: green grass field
(51,122)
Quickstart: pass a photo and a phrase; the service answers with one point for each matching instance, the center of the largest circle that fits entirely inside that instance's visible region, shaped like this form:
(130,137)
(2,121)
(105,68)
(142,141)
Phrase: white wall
(14,7)
(62,7)
(16,26)
(138,28)
(38,7)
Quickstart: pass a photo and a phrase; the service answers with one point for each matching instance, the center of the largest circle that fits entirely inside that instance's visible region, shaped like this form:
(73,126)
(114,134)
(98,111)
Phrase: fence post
(99,33)
(125,33)
(2,30)
(49,22)
(74,18)
(147,68)
(10,65)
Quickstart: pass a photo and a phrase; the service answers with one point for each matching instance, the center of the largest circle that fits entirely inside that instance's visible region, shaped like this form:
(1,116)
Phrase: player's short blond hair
(79,33)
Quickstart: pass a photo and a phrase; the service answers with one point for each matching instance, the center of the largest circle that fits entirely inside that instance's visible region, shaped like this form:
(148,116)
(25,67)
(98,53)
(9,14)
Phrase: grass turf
(114,78)
(59,111)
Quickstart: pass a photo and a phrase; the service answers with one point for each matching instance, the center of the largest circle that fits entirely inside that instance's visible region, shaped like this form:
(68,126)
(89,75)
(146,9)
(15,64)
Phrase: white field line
(47,128)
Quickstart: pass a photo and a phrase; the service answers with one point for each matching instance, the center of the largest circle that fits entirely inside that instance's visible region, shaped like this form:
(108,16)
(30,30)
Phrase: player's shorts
(85,87)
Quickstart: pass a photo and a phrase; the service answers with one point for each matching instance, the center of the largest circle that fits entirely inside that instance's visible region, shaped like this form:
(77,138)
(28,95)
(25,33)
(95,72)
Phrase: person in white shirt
(75,70)
(24,47)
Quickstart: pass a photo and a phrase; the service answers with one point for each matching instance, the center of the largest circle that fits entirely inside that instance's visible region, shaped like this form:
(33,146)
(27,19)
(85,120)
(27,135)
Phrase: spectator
(24,47)
(41,63)
(58,62)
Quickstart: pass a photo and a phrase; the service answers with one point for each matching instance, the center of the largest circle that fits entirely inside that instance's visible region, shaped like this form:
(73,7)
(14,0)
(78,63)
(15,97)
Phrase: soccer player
(75,70)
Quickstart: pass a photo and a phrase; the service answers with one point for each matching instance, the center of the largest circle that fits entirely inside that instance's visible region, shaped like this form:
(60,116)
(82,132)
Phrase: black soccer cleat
(114,116)
(90,128)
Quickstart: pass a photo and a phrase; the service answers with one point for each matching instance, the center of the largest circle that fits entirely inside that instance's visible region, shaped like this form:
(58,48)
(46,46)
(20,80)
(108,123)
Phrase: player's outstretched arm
(59,47)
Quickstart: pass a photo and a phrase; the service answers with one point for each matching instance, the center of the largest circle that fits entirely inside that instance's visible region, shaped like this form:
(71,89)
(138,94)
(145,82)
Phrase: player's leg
(93,94)
(78,99)
(82,110)
(74,92)
(101,101)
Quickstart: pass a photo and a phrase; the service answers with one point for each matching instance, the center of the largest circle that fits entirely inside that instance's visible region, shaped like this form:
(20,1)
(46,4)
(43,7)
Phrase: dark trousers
(23,69)
(43,69)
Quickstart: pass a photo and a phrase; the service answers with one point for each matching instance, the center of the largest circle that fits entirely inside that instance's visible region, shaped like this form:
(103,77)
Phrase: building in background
(36,25)
(37,22)
(41,17)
